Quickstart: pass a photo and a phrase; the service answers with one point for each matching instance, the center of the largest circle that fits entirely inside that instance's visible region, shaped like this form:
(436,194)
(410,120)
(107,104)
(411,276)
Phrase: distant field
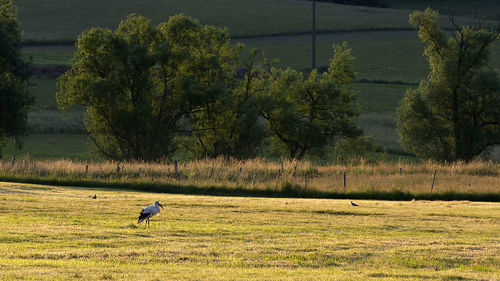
(52,146)
(53,233)
(47,55)
(63,20)
(381,55)
(487,9)
(44,91)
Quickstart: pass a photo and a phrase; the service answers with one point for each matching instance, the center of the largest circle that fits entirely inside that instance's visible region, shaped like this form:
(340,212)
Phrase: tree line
(152,90)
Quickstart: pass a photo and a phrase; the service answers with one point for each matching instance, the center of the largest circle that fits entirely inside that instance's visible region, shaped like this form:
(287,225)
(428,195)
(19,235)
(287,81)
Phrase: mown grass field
(54,233)
(61,233)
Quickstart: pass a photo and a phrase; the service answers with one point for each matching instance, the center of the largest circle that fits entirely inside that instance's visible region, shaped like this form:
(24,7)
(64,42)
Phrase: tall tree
(15,99)
(455,113)
(139,82)
(235,127)
(304,114)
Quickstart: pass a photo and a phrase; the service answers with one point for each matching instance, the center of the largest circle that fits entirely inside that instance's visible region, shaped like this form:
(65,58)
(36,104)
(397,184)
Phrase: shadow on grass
(286,191)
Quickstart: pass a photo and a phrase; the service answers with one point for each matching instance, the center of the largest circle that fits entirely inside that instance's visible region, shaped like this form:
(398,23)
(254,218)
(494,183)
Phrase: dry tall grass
(259,174)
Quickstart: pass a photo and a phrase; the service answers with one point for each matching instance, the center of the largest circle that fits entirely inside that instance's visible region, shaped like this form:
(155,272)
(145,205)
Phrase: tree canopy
(236,127)
(15,99)
(140,82)
(454,114)
(149,90)
(304,114)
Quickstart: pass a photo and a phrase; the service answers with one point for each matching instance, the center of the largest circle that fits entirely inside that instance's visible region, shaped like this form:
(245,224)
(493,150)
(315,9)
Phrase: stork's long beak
(160,205)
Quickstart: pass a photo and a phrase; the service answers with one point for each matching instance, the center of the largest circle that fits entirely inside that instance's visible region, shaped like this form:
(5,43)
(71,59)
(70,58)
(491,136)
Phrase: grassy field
(48,54)
(487,9)
(380,55)
(52,146)
(60,233)
(53,233)
(62,20)
(45,21)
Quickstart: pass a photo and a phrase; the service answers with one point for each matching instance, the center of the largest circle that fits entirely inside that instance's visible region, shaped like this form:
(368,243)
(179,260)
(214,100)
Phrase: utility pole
(313,34)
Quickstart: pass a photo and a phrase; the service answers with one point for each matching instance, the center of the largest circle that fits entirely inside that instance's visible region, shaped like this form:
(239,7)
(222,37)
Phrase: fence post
(345,181)
(176,168)
(13,161)
(212,170)
(118,168)
(433,180)
(400,171)
(86,169)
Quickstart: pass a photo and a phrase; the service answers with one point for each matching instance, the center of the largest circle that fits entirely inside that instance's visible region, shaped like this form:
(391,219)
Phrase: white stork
(149,212)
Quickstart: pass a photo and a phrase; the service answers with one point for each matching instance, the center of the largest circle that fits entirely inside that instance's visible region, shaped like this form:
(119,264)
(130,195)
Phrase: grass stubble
(60,233)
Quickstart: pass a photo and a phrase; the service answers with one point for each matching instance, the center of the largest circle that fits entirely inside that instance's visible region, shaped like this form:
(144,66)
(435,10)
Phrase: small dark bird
(95,196)
(354,204)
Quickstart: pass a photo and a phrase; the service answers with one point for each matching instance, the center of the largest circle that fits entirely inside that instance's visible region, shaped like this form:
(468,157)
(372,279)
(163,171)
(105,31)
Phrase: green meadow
(54,233)
(257,219)
(63,20)
(45,21)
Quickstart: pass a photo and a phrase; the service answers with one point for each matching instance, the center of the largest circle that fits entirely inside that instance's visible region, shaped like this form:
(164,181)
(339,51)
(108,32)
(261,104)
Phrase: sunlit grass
(54,233)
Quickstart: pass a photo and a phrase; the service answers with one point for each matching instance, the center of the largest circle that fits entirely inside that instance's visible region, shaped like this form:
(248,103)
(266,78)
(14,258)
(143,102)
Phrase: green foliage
(14,97)
(309,113)
(353,150)
(455,113)
(231,126)
(139,82)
